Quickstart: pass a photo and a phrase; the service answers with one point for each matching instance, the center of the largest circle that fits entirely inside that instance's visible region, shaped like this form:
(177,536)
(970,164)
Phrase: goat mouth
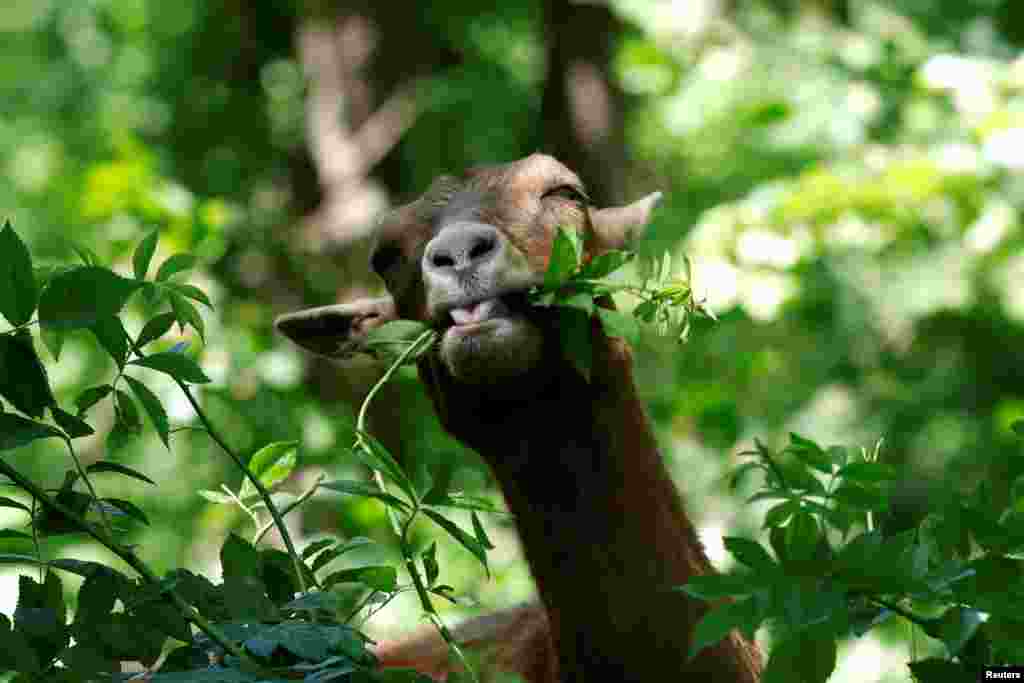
(488,309)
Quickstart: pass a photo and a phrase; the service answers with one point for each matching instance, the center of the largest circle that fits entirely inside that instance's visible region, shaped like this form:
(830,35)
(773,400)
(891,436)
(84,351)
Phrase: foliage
(249,627)
(958,575)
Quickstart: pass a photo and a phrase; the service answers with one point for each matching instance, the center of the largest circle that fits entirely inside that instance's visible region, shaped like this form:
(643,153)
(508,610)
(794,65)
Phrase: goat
(602,525)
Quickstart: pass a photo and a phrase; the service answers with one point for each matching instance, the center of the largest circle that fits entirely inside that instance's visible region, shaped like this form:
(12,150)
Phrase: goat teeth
(461,316)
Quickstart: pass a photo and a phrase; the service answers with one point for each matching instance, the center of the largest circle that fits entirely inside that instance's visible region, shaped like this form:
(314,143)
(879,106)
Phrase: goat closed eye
(569,192)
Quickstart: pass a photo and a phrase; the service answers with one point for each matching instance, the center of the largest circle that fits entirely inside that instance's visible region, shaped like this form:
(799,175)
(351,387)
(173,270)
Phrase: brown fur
(602,525)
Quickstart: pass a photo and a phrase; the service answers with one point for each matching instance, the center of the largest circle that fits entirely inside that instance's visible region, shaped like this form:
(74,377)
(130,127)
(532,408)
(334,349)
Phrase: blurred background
(847,178)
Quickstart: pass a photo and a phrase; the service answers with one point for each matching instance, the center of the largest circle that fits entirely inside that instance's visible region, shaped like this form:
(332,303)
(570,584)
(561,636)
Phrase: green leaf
(128,508)
(91,396)
(479,532)
(715,586)
(863,497)
(605,264)
(362,488)
(868,472)
(144,254)
(83,295)
(272,464)
(750,553)
(108,466)
(127,414)
(802,535)
(389,340)
(187,314)
(619,325)
(378,577)
(110,333)
(719,621)
(72,426)
(1018,428)
(429,559)
(808,657)
(87,255)
(23,379)
(328,556)
(957,626)
(565,257)
(779,513)
(810,453)
(177,365)
(216,497)
(151,404)
(238,557)
(155,328)
(18,293)
(53,338)
(468,542)
(6,502)
(574,331)
(315,547)
(17,431)
(374,455)
(175,264)
(192,292)
(13,535)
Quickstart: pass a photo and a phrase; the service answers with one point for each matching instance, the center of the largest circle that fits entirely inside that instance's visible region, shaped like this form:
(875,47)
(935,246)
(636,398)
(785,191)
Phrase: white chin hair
(492,351)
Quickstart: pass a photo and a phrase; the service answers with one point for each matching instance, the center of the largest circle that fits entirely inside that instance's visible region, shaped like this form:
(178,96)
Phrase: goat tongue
(480,311)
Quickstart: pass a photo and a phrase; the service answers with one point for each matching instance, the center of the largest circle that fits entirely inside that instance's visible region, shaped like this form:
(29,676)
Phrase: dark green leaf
(808,657)
(175,264)
(151,404)
(328,556)
(91,396)
(192,292)
(107,466)
(110,333)
(80,297)
(863,497)
(374,455)
(187,314)
(14,535)
(155,328)
(715,586)
(129,509)
(802,535)
(17,431)
(23,379)
(810,453)
(144,254)
(378,577)
(177,365)
(127,415)
(18,294)
(719,621)
(868,472)
(779,513)
(479,532)
(72,426)
(429,559)
(1018,427)
(750,553)
(272,464)
(583,301)
(361,488)
(468,542)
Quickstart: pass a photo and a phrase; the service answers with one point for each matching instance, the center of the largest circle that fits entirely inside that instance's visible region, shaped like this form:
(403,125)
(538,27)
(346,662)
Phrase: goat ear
(618,226)
(336,331)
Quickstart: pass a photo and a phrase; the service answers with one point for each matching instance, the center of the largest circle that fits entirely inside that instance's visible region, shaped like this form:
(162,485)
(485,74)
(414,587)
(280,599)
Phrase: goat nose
(460,247)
